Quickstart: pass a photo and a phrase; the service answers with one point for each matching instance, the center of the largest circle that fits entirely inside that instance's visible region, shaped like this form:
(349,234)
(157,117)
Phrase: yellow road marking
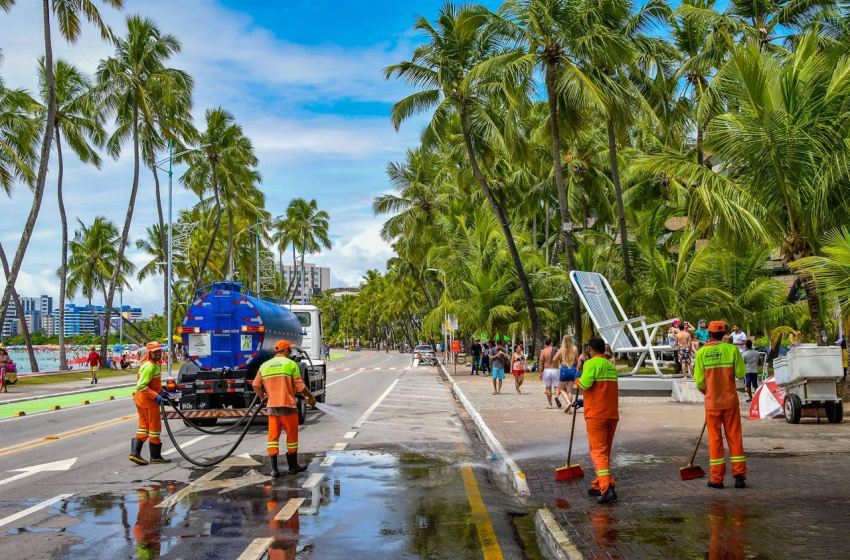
(486,533)
(32,444)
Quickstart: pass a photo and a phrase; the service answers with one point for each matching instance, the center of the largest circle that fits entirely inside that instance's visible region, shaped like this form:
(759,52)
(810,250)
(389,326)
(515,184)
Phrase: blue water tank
(228,326)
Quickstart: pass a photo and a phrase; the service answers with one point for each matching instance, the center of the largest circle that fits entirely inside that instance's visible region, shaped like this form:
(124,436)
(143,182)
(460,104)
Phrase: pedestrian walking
(551,372)
(485,358)
(277,382)
(739,338)
(476,357)
(498,359)
(93,361)
(716,367)
(567,357)
(147,398)
(518,366)
(751,360)
(601,414)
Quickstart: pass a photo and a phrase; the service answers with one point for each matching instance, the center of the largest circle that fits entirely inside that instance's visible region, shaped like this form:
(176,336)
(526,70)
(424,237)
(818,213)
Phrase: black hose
(210,432)
(229,451)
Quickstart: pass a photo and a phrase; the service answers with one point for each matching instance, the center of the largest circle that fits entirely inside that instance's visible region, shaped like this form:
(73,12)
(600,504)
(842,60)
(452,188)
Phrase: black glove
(578,403)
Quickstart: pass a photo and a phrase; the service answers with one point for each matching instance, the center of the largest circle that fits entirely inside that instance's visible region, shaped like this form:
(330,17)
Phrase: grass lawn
(41,405)
(74,375)
(338,355)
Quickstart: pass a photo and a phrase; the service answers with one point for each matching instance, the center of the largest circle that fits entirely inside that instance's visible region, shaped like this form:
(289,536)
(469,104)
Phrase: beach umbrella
(767,401)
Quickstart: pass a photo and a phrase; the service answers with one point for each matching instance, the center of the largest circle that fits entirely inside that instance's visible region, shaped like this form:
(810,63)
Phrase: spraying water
(336,413)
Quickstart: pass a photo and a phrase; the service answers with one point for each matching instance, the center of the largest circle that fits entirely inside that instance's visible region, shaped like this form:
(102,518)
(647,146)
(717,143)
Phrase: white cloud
(353,255)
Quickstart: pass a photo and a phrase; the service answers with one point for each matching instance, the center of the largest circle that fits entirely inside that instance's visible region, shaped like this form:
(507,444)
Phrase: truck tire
(835,412)
(301,405)
(793,408)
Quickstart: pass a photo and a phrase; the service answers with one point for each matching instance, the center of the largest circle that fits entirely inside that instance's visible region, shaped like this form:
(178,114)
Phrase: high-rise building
(33,319)
(78,320)
(316,280)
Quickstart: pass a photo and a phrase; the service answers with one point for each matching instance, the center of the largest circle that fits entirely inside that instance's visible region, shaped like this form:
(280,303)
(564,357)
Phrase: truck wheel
(835,412)
(793,409)
(302,411)
(321,398)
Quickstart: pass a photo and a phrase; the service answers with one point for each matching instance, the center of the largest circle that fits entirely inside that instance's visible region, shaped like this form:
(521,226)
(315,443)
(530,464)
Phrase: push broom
(569,471)
(692,471)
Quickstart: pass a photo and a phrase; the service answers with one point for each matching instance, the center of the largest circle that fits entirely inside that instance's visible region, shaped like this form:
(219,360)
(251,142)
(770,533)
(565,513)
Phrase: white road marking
(344,378)
(328,461)
(375,405)
(288,510)
(340,447)
(33,509)
(409,396)
(187,444)
(350,435)
(256,549)
(29,471)
(313,480)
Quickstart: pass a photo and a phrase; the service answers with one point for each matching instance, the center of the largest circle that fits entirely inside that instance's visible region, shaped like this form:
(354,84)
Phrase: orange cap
(282,345)
(153,346)
(717,326)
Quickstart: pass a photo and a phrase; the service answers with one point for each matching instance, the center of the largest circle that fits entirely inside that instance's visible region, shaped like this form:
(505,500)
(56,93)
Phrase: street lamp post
(170,170)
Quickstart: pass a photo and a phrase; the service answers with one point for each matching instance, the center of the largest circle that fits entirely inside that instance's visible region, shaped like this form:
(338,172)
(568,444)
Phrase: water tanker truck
(228,332)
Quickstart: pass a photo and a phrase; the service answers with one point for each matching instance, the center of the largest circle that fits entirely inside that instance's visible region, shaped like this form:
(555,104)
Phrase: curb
(518,480)
(80,392)
(552,540)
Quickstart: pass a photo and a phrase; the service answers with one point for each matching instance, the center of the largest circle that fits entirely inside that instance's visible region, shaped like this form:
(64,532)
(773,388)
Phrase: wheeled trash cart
(809,373)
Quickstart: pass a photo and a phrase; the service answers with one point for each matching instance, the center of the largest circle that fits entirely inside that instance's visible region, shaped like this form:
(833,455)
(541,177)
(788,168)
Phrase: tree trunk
(790,298)
(22,317)
(700,156)
(563,201)
(621,212)
(122,245)
(228,266)
(509,238)
(63,267)
(44,157)
(206,260)
(546,227)
(813,301)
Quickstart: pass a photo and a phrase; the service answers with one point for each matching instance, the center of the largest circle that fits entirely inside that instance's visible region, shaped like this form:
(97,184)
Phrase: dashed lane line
(375,405)
(328,461)
(33,509)
(350,435)
(289,509)
(340,447)
(187,444)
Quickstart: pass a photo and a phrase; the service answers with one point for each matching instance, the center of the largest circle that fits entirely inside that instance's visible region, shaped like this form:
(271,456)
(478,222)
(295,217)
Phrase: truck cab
(312,338)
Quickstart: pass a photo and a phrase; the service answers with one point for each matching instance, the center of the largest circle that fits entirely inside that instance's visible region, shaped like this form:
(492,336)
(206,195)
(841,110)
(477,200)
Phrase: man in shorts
(551,371)
(685,352)
(751,359)
(498,359)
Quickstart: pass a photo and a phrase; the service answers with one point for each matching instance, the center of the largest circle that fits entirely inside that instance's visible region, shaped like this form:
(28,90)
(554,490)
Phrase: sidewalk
(23,391)
(795,506)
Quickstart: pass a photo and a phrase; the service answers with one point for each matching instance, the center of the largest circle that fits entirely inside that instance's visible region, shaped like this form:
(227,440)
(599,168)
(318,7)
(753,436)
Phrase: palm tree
(25,331)
(94,254)
(153,247)
(443,70)
(227,160)
(131,83)
(68,13)
(307,228)
(18,135)
(78,119)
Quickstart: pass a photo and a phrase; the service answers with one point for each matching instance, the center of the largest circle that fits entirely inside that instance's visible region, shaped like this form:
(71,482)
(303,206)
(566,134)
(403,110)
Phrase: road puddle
(367,505)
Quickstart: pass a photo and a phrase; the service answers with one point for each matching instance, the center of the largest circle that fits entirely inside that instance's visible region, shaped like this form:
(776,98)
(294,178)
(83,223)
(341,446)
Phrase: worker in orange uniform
(148,528)
(147,398)
(277,382)
(601,395)
(716,366)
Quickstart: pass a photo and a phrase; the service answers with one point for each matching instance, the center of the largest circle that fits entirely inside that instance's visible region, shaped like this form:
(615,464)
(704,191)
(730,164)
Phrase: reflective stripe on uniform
(717,461)
(741,459)
(603,473)
(292,445)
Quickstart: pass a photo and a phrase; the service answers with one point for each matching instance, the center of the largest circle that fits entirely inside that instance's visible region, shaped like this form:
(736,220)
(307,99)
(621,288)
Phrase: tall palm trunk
(22,321)
(506,229)
(563,201)
(125,234)
(44,157)
(200,278)
(621,212)
(228,267)
(63,266)
(813,301)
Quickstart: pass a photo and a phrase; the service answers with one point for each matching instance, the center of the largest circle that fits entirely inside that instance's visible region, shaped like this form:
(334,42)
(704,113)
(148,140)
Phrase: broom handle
(702,433)
(572,432)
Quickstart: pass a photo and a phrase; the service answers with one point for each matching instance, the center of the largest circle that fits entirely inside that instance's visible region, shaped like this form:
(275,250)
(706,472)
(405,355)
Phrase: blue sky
(303,78)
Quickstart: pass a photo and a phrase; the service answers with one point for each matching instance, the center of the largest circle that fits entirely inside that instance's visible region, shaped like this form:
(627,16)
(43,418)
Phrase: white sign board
(199,344)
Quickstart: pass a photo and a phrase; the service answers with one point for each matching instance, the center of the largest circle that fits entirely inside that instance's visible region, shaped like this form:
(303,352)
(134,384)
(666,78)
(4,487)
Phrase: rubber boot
(609,497)
(136,451)
(156,454)
(273,462)
(593,492)
(718,485)
(740,482)
(294,467)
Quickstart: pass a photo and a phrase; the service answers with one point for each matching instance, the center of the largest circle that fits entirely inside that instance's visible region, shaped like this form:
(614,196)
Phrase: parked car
(425,354)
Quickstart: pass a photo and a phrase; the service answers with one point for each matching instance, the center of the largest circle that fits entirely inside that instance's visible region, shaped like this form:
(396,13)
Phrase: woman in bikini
(518,366)
(567,356)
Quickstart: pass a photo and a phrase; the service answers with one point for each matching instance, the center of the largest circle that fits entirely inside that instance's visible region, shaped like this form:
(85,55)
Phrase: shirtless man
(685,351)
(551,371)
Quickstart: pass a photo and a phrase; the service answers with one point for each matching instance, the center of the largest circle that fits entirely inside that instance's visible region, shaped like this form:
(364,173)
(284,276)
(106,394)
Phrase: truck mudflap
(215,413)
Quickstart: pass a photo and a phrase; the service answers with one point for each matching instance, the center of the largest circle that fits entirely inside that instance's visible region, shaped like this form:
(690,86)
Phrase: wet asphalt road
(395,472)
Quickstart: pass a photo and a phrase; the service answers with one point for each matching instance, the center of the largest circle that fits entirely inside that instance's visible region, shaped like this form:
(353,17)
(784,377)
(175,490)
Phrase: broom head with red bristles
(691,472)
(568,471)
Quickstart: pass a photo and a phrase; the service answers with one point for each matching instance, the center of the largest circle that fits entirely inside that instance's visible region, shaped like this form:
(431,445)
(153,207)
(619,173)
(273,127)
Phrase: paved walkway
(795,506)
(21,391)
